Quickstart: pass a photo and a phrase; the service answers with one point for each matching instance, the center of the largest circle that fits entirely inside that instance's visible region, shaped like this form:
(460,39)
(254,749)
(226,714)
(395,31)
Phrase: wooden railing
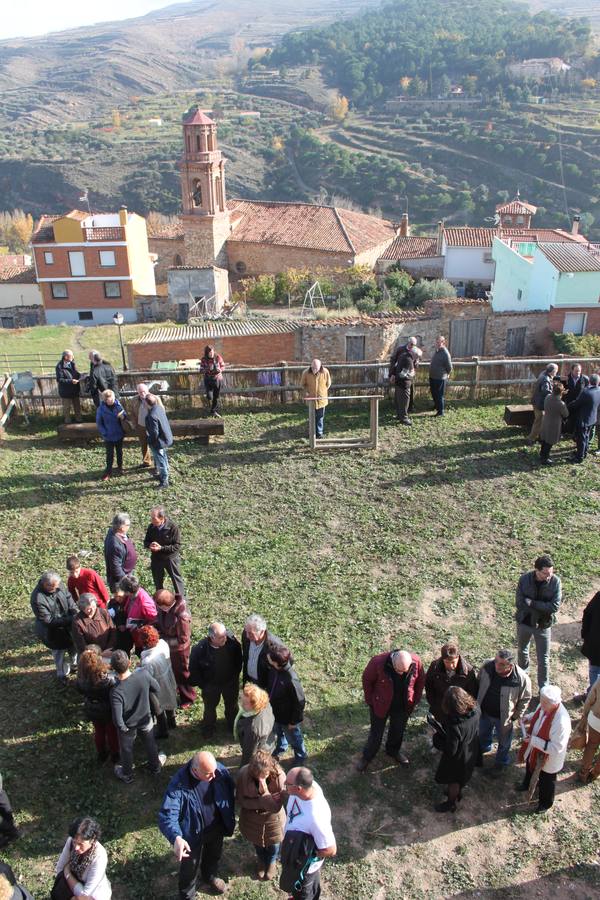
(471,379)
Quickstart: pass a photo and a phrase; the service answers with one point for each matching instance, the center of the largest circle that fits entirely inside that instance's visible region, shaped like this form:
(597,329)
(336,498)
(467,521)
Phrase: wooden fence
(184,389)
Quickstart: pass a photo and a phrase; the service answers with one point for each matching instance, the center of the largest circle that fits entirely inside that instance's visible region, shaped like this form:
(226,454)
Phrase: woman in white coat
(81,867)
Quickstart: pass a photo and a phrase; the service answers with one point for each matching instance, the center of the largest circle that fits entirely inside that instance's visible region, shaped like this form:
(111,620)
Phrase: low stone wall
(22,316)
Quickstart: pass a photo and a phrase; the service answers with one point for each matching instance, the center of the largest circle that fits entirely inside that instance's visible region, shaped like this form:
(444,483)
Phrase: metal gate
(467,337)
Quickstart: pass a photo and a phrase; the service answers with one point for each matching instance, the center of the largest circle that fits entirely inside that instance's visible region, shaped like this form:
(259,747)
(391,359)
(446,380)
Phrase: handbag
(60,888)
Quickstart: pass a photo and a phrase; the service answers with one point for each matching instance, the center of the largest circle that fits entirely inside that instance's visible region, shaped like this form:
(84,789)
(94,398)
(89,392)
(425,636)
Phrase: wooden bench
(200,429)
(520,416)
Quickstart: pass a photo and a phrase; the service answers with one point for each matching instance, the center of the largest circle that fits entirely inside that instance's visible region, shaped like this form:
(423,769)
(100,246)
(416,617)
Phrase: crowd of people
(565,407)
(136,665)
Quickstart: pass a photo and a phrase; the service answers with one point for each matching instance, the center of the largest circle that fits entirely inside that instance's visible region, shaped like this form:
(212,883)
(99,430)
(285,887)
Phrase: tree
(339,108)
(398,282)
(424,290)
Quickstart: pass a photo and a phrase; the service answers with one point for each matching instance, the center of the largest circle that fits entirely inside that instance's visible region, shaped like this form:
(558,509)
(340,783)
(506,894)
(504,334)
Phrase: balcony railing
(105,234)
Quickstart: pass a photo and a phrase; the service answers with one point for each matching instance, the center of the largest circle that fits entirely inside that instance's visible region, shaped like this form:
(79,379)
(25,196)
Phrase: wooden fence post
(374,422)
(475,380)
(312,427)
(284,381)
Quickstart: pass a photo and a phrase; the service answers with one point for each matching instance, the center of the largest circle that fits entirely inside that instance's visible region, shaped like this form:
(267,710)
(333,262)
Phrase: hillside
(72,75)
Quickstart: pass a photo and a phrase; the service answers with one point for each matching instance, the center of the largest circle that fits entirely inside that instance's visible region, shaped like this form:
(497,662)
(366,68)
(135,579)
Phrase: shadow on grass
(581,881)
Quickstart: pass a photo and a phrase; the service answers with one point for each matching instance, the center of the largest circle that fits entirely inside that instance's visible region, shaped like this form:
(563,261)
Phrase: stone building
(20,298)
(253,237)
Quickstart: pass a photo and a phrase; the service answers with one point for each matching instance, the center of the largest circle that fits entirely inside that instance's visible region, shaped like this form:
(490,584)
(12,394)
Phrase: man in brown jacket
(93,625)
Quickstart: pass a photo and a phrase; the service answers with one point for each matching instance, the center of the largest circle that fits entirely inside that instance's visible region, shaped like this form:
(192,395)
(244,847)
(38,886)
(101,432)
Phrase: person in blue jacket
(585,412)
(197,812)
(160,437)
(110,416)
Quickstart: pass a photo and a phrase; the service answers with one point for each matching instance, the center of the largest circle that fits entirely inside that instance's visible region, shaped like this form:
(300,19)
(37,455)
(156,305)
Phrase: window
(112,289)
(178,260)
(107,257)
(520,220)
(76,262)
(85,315)
(487,256)
(240,267)
(519,294)
(355,347)
(574,323)
(59,290)
(508,220)
(48,257)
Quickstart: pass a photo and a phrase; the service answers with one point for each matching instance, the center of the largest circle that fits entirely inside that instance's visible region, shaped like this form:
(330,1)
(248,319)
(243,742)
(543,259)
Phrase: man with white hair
(255,641)
(54,610)
(68,379)
(316,381)
(403,366)
(545,747)
(543,388)
(392,684)
(142,411)
(215,665)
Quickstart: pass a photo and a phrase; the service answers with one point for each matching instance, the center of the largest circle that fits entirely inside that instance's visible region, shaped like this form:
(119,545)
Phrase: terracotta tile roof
(374,321)
(309,226)
(10,260)
(411,248)
(571,257)
(219,328)
(18,275)
(465,236)
(551,235)
(44,232)
(167,232)
(516,207)
(197,117)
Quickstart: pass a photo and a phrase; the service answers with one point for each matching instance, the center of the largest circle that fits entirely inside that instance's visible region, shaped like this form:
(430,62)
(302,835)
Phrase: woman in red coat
(174,624)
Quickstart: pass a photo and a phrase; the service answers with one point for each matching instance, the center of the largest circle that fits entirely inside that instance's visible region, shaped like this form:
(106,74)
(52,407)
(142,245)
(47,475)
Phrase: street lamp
(118,320)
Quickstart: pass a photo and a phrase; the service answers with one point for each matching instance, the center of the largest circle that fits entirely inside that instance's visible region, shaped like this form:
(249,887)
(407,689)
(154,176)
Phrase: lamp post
(118,320)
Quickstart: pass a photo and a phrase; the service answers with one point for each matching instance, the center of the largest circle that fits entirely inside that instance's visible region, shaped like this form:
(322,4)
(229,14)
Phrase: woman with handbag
(459,743)
(110,419)
(262,816)
(81,867)
(586,736)
(95,681)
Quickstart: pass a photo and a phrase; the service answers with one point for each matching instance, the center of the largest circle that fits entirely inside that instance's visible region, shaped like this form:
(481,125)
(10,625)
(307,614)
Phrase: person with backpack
(211,366)
(403,366)
(102,377)
(308,836)
(160,437)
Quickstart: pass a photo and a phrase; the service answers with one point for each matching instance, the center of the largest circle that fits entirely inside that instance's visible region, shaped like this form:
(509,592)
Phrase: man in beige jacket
(316,382)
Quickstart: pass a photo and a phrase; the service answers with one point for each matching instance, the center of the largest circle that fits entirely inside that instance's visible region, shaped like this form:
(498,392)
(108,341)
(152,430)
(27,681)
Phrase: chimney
(123,216)
(575,225)
(404,226)
(440,239)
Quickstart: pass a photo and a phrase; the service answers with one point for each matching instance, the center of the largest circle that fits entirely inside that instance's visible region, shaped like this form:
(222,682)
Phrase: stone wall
(170,252)
(200,282)
(427,267)
(538,339)
(260,259)
(22,316)
(329,342)
(205,239)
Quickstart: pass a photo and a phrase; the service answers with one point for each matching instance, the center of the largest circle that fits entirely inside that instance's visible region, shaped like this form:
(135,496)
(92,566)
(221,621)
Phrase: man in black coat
(68,379)
(590,633)
(164,542)
(160,437)
(215,665)
(54,610)
(449,670)
(585,411)
(286,696)
(102,377)
(255,640)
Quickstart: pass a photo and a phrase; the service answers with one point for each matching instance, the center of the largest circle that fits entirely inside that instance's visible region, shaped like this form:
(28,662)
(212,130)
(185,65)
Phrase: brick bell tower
(205,217)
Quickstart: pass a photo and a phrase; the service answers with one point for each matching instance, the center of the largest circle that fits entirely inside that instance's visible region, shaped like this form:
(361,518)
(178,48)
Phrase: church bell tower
(205,216)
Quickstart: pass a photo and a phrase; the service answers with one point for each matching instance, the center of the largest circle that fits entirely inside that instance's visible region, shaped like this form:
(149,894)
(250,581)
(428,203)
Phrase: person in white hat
(545,747)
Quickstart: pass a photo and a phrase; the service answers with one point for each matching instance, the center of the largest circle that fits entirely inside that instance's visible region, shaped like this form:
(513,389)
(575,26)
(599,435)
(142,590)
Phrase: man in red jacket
(86,581)
(392,684)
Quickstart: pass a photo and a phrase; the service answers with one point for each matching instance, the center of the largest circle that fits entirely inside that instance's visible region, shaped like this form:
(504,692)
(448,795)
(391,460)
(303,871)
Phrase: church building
(220,241)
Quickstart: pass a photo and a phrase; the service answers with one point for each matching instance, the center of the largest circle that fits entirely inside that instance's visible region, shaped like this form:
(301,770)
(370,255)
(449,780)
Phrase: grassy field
(345,554)
(23,346)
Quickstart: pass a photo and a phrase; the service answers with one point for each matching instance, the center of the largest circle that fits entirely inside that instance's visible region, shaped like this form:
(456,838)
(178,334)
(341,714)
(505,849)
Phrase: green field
(345,554)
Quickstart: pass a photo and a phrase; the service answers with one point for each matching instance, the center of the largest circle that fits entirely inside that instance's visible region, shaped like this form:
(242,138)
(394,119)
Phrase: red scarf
(543,734)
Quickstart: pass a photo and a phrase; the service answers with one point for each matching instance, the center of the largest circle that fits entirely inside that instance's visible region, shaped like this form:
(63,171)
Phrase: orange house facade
(91,266)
